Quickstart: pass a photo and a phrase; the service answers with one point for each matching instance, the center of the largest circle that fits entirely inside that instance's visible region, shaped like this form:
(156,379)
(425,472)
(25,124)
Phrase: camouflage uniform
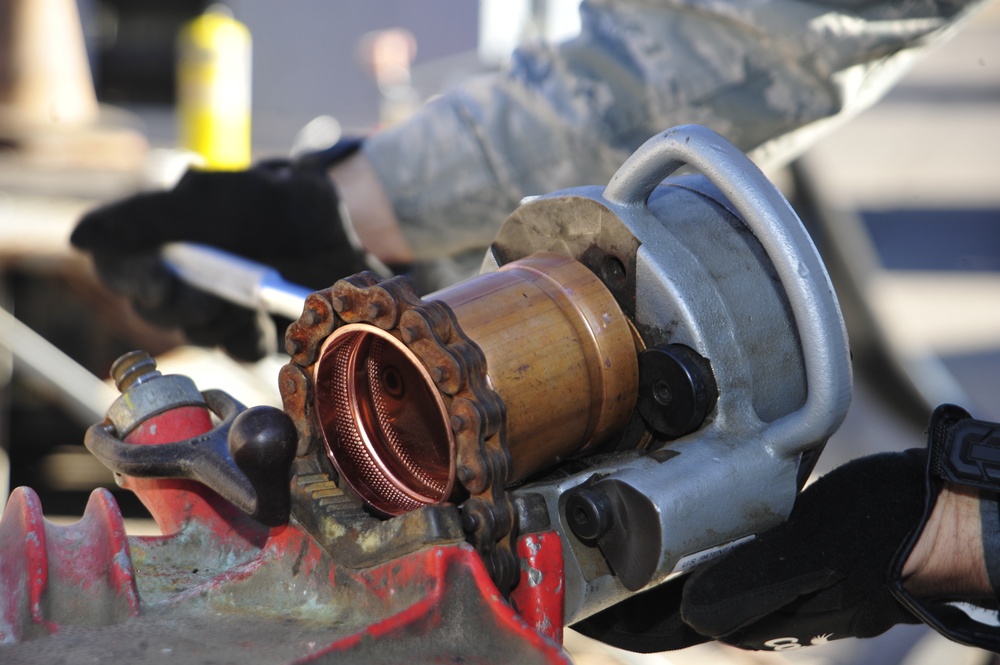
(770,75)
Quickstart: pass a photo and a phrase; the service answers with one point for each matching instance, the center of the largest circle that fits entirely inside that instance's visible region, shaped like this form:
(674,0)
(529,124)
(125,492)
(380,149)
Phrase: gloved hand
(278,213)
(823,574)
(649,622)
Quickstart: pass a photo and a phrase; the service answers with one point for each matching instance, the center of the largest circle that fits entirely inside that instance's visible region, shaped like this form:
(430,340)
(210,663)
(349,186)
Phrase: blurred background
(903,201)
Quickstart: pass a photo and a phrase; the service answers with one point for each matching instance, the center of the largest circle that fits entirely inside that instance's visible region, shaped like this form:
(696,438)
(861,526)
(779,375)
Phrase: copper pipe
(559,353)
(384,421)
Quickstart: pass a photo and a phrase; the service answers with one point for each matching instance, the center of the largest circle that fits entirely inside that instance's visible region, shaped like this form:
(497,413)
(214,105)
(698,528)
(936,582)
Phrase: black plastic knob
(677,390)
(588,512)
(262,442)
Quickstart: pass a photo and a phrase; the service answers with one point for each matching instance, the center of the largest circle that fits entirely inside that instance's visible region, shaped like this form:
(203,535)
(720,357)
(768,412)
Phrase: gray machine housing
(720,263)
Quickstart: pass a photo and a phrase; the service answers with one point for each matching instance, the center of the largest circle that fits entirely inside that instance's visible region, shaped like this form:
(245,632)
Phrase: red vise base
(220,587)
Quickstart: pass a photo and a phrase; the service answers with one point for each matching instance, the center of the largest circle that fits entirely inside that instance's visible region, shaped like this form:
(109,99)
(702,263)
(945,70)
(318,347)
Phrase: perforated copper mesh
(383,420)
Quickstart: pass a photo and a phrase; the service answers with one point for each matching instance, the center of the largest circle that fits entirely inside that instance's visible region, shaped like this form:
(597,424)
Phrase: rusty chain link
(458,368)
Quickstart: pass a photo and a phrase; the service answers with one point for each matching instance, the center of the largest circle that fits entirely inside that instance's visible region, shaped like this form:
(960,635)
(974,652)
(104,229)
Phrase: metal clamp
(245,459)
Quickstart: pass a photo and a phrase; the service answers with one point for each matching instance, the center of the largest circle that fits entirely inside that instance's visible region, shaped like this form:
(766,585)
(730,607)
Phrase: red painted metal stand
(220,587)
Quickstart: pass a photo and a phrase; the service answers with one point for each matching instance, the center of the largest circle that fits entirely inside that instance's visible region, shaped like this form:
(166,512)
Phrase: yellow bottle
(213,89)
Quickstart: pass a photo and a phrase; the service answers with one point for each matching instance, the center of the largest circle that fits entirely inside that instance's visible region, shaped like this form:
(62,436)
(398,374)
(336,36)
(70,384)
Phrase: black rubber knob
(588,513)
(262,442)
(677,389)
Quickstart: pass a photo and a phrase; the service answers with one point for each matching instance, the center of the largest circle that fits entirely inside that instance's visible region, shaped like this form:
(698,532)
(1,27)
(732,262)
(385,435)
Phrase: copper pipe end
(384,422)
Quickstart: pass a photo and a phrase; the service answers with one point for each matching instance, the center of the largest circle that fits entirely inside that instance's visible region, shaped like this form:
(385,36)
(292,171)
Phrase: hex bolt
(661,393)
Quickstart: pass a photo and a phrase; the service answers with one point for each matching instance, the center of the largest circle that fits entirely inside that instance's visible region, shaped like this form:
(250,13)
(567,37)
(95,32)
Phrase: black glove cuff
(348,254)
(966,452)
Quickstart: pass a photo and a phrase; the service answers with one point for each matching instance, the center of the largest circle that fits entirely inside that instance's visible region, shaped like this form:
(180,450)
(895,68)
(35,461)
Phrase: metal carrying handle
(801,271)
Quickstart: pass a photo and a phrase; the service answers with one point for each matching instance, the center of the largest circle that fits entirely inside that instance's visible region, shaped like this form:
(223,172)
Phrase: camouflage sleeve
(770,75)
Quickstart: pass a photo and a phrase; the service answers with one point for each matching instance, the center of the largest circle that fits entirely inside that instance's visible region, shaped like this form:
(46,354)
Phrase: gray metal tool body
(723,266)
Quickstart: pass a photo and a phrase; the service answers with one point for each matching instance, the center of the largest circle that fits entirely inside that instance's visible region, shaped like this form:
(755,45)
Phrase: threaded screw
(133,368)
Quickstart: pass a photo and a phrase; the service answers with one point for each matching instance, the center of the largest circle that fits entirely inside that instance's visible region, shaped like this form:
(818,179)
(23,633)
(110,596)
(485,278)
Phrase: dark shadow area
(955,239)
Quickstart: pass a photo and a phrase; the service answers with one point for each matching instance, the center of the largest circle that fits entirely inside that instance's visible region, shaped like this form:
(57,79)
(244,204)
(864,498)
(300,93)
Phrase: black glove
(649,622)
(823,574)
(282,214)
